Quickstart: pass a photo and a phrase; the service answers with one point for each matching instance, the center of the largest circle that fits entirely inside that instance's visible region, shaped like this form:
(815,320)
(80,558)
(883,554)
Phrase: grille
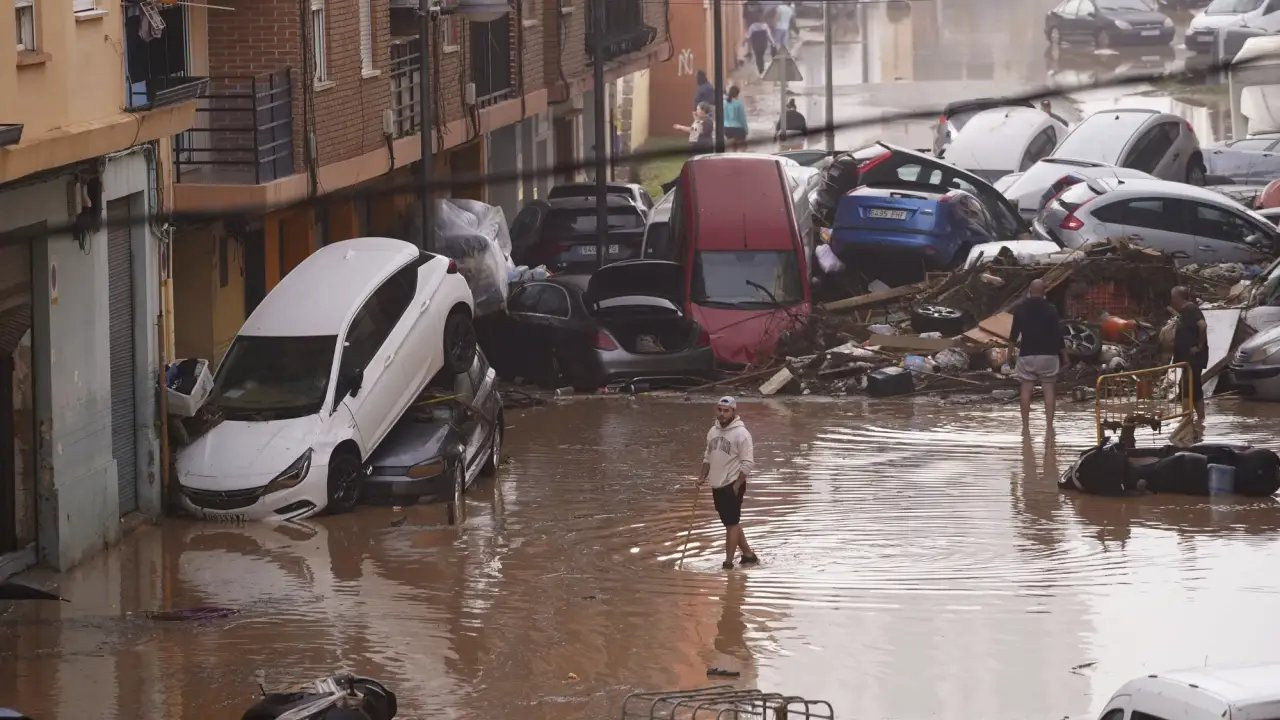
(223,500)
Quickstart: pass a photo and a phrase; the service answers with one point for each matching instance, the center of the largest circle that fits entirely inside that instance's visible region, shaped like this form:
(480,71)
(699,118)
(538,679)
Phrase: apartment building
(90,97)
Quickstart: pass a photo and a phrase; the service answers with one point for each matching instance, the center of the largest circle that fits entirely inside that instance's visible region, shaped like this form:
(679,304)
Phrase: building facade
(672,84)
(89,100)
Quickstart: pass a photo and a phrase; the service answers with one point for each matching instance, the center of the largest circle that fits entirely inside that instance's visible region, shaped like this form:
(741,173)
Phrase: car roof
(1166,187)
(348,271)
(1214,689)
(579,202)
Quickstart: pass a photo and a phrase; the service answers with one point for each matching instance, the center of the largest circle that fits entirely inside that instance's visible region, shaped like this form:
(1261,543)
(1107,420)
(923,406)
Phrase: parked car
(1202,31)
(1255,369)
(1157,143)
(318,375)
(439,449)
(1237,693)
(738,239)
(807,157)
(955,115)
(561,234)
(997,142)
(656,244)
(1032,189)
(632,191)
(1249,160)
(895,232)
(1106,23)
(622,322)
(1192,224)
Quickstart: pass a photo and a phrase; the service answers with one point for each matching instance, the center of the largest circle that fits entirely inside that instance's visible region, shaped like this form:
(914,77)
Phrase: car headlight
(1121,24)
(1266,351)
(427,469)
(294,474)
(1168,22)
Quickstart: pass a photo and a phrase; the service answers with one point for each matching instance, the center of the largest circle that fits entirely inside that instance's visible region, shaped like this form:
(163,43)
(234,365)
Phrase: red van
(734,229)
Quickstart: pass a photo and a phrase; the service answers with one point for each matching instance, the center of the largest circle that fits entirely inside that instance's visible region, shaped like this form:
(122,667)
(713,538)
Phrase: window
(1139,715)
(1039,148)
(273,378)
(1116,714)
(1252,143)
(451,30)
(1151,213)
(563,221)
(1071,9)
(1151,147)
(532,9)
(319,42)
(366,36)
(377,318)
(1219,224)
(25,18)
(747,279)
(84,5)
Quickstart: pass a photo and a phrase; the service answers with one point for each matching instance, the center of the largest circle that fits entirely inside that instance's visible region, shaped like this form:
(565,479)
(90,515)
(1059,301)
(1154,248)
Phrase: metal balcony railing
(406,71)
(243,133)
(625,29)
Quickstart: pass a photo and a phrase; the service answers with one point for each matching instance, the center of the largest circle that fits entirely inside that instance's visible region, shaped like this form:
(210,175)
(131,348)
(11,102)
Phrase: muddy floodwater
(917,561)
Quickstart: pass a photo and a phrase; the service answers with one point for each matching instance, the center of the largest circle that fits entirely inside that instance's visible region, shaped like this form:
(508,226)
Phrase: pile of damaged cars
(358,377)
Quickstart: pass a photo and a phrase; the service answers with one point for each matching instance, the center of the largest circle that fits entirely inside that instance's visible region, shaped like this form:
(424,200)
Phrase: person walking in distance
(1191,343)
(726,463)
(782,16)
(759,38)
(1037,332)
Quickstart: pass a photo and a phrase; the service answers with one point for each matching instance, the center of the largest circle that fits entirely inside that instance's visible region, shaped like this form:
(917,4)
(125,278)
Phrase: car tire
(1197,174)
(345,481)
(1082,343)
(927,318)
(458,493)
(459,342)
(494,461)
(1101,40)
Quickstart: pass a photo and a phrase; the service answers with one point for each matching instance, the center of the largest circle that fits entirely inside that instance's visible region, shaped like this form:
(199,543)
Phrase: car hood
(409,443)
(658,278)
(739,336)
(1204,21)
(235,454)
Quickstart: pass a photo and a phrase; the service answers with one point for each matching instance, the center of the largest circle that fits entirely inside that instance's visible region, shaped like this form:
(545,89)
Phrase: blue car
(896,232)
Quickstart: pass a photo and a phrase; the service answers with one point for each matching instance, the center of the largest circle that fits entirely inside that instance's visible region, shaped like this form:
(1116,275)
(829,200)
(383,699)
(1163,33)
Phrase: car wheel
(1081,342)
(937,318)
(459,342)
(457,499)
(1101,40)
(1197,174)
(345,481)
(491,465)
(1055,38)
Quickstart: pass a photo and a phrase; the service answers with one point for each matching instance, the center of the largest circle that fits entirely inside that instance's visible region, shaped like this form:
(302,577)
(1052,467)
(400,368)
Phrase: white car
(319,374)
(1161,144)
(1202,30)
(997,142)
(1030,190)
(1240,693)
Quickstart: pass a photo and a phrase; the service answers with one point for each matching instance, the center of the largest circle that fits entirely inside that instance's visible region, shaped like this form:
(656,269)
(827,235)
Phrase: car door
(1225,236)
(542,326)
(1153,222)
(1265,166)
(370,348)
(1236,159)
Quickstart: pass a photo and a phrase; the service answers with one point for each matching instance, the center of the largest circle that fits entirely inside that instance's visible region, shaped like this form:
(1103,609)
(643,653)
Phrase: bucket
(1222,479)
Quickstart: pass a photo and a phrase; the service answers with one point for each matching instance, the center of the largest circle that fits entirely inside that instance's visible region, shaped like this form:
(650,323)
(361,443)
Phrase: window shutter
(84,5)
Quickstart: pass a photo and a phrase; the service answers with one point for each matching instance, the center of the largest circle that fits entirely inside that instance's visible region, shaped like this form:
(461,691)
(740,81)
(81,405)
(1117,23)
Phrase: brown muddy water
(918,561)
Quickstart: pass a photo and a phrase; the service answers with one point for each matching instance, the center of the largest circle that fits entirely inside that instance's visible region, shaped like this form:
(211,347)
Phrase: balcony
(243,133)
(406,72)
(625,30)
(492,62)
(156,58)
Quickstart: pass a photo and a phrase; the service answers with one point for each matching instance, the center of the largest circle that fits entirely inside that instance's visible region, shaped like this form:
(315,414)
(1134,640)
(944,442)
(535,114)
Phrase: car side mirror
(353,382)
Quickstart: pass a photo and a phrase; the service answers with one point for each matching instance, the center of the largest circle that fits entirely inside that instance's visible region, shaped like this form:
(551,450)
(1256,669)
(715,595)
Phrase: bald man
(1037,332)
(1191,343)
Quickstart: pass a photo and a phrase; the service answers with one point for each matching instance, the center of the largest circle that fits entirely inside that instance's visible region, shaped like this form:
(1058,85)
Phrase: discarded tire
(937,318)
(1081,341)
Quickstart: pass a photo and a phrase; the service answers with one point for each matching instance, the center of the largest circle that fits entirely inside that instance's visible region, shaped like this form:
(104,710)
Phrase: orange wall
(671,83)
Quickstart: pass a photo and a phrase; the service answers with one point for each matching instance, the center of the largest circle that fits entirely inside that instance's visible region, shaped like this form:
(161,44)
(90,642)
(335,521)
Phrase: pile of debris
(950,332)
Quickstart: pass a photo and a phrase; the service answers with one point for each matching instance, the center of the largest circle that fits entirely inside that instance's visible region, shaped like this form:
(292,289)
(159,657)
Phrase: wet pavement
(918,561)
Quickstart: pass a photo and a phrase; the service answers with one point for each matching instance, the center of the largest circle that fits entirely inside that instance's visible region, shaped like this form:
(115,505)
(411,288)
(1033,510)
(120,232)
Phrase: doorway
(17,401)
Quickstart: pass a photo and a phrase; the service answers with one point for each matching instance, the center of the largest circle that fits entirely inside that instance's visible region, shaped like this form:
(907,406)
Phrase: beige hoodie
(729,453)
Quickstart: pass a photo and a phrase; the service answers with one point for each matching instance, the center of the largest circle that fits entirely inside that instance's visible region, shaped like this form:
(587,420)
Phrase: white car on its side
(997,142)
(318,375)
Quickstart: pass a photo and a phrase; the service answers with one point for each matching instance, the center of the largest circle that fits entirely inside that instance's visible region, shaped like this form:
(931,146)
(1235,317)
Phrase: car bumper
(391,488)
(623,365)
(301,501)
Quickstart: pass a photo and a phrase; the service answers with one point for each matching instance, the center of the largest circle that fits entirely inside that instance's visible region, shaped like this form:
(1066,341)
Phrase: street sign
(783,68)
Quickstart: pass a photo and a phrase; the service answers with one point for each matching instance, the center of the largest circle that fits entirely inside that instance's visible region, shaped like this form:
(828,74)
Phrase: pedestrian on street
(726,463)
(782,17)
(1037,331)
(1191,343)
(792,129)
(759,39)
(735,120)
(704,92)
(701,131)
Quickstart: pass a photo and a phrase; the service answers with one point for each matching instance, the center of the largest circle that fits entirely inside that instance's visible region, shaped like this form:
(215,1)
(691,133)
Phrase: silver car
(1192,224)
(1030,190)
(1255,369)
(1157,143)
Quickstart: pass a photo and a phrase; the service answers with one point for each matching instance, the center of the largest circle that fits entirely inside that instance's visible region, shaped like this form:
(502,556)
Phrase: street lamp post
(717,34)
(598,29)
(830,73)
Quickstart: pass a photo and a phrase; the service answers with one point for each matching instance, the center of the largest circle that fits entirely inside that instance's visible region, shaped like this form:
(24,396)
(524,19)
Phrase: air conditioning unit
(469,95)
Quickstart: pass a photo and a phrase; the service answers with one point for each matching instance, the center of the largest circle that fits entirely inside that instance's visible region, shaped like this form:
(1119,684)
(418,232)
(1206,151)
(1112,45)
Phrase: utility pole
(717,19)
(830,101)
(425,112)
(864,39)
(598,29)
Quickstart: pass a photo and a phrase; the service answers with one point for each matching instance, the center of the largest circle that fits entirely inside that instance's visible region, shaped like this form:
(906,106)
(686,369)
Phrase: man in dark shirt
(1037,331)
(1191,343)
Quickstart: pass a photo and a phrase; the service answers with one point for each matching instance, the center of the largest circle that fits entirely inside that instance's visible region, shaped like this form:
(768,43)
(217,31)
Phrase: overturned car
(1204,469)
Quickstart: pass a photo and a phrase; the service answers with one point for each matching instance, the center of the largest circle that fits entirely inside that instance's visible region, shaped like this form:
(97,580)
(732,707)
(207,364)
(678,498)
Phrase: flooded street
(917,561)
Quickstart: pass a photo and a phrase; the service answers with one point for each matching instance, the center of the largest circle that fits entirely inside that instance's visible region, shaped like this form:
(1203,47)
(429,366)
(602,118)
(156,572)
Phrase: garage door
(120,306)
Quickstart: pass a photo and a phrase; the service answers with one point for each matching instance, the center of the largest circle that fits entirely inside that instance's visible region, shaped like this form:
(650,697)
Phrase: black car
(449,437)
(1106,23)
(632,191)
(561,233)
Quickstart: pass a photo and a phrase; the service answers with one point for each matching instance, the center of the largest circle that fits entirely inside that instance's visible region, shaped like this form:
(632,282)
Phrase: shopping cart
(1148,398)
(722,702)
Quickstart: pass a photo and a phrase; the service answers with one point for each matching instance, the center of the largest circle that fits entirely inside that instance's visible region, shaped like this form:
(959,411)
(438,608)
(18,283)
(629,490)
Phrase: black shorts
(729,503)
(735,133)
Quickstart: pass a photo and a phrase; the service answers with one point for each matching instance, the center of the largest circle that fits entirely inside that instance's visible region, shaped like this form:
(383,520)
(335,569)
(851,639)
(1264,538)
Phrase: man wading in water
(728,459)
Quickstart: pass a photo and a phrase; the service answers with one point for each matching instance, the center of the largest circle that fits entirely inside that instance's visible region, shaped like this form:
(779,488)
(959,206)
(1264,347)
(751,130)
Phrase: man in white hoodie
(728,460)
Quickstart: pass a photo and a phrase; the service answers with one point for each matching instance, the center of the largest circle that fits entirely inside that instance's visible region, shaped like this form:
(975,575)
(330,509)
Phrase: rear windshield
(747,278)
(1102,137)
(577,222)
(565,191)
(1075,196)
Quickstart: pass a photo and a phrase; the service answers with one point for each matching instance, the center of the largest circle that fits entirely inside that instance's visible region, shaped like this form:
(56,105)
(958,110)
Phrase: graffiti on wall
(684,62)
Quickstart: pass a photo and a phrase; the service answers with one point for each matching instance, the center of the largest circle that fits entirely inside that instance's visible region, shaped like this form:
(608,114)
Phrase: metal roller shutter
(120,308)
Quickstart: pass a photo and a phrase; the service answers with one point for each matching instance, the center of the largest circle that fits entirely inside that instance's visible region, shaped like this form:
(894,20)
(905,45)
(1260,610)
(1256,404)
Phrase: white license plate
(591,249)
(1150,33)
(889,214)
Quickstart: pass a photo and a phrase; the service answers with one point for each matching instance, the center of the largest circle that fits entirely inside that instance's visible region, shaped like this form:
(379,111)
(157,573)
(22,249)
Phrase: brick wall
(565,37)
(348,108)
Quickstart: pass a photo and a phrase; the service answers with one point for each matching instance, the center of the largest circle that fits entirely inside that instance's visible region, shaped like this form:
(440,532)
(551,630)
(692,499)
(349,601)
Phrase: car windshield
(274,378)
(1102,137)
(747,278)
(1231,7)
(1139,5)
(564,221)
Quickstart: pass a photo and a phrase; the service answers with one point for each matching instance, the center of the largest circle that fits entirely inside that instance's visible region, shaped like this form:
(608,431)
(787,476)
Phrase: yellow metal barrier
(1142,397)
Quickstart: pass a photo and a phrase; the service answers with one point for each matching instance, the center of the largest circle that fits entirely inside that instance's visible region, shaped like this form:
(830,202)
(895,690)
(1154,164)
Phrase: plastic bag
(952,359)
(828,261)
(475,236)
